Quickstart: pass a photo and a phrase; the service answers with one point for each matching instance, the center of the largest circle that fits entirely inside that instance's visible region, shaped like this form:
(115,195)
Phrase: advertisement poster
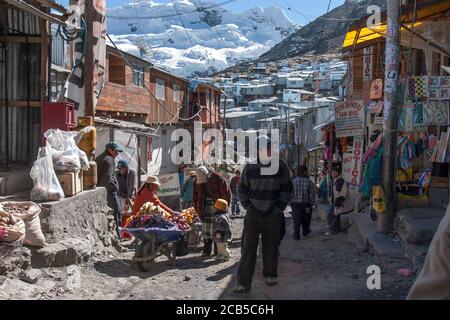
(349,119)
(170,191)
(351,164)
(170,185)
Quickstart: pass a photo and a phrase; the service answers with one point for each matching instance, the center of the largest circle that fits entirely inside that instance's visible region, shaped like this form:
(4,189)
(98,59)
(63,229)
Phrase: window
(116,69)
(176,93)
(160,89)
(138,76)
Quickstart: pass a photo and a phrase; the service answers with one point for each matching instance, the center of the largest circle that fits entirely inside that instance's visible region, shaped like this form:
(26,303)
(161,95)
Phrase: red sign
(149,149)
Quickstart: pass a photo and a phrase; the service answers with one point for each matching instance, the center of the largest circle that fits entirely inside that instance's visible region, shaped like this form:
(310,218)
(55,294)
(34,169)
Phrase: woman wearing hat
(187,191)
(148,193)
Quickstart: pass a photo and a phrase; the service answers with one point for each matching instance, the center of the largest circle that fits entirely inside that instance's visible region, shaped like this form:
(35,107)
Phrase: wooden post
(89,14)
(390,114)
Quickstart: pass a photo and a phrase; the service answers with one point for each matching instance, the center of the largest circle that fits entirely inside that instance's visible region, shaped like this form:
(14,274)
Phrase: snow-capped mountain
(195,37)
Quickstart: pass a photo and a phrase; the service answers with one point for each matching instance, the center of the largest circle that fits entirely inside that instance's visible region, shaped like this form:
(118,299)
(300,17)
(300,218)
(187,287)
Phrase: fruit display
(150,209)
(150,221)
(152,216)
(180,221)
(190,215)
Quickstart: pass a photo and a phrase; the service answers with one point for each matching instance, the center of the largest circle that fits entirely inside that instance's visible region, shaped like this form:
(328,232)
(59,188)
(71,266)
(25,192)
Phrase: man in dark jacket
(264,197)
(107,178)
(126,179)
(234,187)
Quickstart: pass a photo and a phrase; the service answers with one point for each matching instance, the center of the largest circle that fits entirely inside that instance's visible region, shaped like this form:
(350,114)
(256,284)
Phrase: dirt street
(317,267)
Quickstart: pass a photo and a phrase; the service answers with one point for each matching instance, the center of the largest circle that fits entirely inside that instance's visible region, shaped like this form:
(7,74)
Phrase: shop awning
(318,147)
(127,126)
(360,35)
(323,125)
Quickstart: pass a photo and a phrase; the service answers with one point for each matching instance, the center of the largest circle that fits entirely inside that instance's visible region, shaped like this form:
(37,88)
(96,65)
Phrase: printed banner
(170,185)
(351,164)
(349,119)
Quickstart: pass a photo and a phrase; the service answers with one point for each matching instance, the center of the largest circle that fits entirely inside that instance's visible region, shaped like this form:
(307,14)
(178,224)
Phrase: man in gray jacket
(126,179)
(264,197)
(106,178)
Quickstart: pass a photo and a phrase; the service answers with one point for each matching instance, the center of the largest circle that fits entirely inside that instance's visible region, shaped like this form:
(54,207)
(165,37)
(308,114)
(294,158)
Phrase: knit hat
(122,164)
(221,204)
(202,174)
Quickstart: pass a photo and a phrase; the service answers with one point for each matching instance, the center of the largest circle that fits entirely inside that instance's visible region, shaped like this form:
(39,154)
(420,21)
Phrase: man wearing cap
(107,178)
(265,196)
(208,187)
(148,193)
(187,192)
(126,179)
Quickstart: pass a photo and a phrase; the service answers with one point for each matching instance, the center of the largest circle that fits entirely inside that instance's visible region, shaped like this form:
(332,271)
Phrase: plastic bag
(46,184)
(65,152)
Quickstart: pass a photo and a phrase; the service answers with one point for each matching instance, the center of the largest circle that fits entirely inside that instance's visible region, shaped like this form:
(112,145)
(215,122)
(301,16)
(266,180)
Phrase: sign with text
(170,185)
(349,119)
(351,164)
(170,191)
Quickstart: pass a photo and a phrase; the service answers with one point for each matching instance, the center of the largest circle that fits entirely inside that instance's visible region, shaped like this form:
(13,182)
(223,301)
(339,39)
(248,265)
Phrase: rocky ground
(317,267)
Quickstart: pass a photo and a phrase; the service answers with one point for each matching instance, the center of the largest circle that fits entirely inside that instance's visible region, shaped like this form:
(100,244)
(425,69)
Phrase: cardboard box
(71,182)
(439,182)
(85,121)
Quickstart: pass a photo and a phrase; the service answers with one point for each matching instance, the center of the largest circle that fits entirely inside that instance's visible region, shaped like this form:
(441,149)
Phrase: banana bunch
(148,209)
(151,209)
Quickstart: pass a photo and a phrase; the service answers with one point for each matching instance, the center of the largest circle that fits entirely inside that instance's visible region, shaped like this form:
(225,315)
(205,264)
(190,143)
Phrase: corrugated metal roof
(194,84)
(239,114)
(126,125)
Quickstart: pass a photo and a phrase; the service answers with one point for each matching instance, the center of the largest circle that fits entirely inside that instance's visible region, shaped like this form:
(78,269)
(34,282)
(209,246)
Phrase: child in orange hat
(221,230)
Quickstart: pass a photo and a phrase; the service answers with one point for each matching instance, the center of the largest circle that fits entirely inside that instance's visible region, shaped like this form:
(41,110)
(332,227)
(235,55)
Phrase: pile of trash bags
(61,153)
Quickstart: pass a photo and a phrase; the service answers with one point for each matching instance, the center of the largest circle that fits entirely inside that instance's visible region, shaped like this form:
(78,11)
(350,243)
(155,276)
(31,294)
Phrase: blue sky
(308,8)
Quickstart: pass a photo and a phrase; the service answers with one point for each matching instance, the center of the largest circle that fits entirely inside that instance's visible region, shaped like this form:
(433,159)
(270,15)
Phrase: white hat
(202,174)
(153,180)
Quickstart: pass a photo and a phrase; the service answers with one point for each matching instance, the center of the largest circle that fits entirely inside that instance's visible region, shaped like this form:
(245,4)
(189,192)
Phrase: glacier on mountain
(204,39)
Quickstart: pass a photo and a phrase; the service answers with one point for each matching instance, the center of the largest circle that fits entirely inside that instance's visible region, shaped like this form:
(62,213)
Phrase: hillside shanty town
(308,161)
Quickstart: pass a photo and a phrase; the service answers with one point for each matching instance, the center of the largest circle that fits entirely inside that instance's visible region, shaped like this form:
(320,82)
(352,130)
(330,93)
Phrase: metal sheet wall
(19,72)
(20,151)
(22,79)
(23,22)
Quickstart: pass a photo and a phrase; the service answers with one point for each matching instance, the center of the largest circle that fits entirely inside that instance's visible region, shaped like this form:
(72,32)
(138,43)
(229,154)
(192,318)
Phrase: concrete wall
(15,181)
(83,216)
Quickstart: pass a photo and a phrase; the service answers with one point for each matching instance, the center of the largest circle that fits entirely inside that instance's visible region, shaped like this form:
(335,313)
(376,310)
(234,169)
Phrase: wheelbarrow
(155,242)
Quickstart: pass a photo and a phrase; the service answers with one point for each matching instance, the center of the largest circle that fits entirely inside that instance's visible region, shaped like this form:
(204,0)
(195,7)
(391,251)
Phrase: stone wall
(82,216)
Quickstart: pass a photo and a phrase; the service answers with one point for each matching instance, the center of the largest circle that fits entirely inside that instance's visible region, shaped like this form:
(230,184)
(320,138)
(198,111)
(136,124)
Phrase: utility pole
(288,127)
(390,114)
(89,14)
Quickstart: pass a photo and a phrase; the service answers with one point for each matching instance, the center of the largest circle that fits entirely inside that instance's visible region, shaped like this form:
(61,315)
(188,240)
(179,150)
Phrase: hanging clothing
(406,152)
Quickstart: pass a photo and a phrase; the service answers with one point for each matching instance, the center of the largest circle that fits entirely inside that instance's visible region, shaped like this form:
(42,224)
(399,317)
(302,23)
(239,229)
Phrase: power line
(173,15)
(182,23)
(292,9)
